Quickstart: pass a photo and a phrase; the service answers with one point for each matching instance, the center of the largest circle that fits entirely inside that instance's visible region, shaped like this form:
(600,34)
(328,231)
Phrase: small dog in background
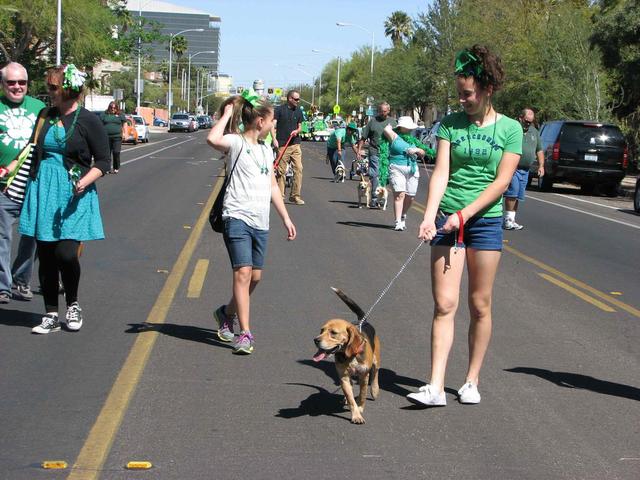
(381,197)
(340,173)
(364,192)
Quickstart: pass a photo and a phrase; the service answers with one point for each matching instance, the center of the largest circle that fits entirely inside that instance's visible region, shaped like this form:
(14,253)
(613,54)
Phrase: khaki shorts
(402,180)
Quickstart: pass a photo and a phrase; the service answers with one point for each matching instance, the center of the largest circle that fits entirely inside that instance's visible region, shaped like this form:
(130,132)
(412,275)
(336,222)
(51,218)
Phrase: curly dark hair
(492,69)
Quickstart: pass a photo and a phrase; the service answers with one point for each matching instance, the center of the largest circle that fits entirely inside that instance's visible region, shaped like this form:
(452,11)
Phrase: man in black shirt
(289,119)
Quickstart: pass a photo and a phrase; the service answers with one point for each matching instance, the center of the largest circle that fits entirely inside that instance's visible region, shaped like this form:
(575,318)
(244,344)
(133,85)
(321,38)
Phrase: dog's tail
(353,306)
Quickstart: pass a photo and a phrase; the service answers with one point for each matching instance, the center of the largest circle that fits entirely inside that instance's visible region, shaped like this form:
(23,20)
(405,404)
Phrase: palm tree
(180,46)
(398,27)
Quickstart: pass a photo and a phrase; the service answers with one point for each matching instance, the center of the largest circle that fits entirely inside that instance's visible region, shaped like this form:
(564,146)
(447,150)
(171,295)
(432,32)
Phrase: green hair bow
(468,64)
(73,78)
(250,96)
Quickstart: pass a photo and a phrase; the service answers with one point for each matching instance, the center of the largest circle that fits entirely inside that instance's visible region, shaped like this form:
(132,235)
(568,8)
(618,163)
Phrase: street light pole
(139,58)
(337,77)
(373,38)
(59,35)
(189,77)
(171,37)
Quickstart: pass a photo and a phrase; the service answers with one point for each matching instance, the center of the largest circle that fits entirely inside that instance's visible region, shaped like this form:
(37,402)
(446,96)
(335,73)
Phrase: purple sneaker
(243,344)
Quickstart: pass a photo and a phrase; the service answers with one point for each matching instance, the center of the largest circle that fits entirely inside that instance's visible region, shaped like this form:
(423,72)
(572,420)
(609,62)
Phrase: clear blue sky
(257,35)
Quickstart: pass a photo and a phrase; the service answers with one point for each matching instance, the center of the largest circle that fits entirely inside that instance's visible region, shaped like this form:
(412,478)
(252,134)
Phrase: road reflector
(160,270)
(187,227)
(54,464)
(138,465)
(615,293)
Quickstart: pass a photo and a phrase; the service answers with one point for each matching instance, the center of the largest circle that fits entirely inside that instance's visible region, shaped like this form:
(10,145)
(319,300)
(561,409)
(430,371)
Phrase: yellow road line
(98,443)
(577,293)
(567,278)
(197,279)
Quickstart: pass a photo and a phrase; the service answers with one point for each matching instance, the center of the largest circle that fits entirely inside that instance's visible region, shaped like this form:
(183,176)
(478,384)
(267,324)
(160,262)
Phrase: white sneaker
(50,323)
(469,393)
(74,317)
(511,225)
(400,226)
(429,396)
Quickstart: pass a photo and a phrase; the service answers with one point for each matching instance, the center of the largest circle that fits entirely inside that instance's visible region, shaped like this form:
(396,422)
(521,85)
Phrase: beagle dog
(381,196)
(357,354)
(339,173)
(364,192)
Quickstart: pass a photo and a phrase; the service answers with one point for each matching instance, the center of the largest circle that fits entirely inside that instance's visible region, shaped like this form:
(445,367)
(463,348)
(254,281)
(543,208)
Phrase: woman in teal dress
(61,208)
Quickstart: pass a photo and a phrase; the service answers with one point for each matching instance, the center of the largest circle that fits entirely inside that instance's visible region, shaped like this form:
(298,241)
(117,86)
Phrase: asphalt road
(146,379)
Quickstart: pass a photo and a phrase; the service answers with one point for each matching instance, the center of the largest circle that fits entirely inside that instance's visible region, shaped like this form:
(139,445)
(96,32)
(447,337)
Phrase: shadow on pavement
(584,382)
(321,403)
(351,204)
(16,318)
(184,332)
(366,224)
(323,178)
(629,211)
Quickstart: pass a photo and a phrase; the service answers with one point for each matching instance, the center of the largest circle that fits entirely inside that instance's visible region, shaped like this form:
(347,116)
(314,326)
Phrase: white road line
(586,213)
(156,151)
(587,201)
(147,145)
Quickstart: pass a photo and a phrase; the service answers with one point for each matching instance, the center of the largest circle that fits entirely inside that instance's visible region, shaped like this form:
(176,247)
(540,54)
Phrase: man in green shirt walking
(18,115)
(531,149)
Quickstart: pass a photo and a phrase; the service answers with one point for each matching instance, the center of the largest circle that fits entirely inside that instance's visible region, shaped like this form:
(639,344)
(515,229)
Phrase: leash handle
(282,150)
(460,238)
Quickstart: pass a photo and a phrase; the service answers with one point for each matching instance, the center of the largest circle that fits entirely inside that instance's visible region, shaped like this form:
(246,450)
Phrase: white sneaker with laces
(429,396)
(469,393)
(400,226)
(74,317)
(50,323)
(511,225)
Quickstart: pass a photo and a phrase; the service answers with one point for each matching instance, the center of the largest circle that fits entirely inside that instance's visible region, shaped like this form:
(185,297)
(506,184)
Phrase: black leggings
(115,145)
(59,259)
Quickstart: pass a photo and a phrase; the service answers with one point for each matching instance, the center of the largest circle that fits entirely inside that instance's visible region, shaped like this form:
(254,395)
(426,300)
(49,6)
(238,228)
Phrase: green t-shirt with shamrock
(17,122)
(475,155)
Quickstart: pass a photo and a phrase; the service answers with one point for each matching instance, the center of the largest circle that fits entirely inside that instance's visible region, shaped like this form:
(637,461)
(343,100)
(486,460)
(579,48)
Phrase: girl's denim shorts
(479,232)
(246,245)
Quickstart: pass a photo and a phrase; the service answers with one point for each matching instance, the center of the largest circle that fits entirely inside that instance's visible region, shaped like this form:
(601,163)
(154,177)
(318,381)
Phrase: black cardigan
(88,146)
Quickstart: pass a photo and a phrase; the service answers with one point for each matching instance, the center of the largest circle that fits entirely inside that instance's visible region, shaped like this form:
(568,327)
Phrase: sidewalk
(628,185)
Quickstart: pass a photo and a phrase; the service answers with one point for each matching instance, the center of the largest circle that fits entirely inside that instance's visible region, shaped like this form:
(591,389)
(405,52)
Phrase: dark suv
(586,153)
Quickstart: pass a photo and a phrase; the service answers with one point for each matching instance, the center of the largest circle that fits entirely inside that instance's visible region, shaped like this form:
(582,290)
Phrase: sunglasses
(11,83)
(295,99)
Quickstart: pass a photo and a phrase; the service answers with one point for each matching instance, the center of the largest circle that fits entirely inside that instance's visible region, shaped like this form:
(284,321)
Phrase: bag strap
(228,177)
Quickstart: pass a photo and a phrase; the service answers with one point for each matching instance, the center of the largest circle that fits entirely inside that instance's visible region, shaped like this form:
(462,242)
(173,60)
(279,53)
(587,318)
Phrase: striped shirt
(15,190)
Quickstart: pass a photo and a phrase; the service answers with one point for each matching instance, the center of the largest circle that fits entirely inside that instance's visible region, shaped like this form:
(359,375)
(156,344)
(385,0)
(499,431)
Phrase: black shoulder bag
(215,215)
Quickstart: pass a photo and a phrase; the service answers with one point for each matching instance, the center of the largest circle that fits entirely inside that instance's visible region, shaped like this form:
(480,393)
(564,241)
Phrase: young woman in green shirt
(478,151)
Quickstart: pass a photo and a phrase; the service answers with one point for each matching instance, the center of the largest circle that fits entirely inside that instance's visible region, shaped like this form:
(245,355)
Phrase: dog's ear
(355,342)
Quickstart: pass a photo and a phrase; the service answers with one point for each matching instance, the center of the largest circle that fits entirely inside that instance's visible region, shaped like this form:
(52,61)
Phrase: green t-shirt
(16,126)
(531,144)
(113,123)
(340,133)
(471,173)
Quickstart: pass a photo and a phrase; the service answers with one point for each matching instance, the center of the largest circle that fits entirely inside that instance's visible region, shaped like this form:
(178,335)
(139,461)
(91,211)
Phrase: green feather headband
(73,78)
(468,65)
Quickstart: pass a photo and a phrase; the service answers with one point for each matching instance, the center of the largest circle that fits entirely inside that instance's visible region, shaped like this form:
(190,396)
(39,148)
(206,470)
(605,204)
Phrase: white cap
(407,122)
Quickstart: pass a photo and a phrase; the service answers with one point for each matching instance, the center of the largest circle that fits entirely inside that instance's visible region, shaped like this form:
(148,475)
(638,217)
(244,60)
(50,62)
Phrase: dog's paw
(357,419)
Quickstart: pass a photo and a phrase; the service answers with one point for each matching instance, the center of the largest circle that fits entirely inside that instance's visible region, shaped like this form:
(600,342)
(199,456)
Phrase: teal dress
(51,212)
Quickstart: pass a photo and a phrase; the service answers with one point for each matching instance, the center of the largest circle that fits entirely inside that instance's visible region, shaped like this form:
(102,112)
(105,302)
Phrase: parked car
(586,153)
(636,196)
(159,122)
(180,122)
(129,132)
(204,121)
(141,128)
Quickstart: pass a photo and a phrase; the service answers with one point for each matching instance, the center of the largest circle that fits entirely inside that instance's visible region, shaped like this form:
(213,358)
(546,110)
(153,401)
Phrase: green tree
(398,27)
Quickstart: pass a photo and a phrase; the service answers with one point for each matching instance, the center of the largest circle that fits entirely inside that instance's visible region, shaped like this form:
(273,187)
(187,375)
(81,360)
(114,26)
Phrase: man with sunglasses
(288,122)
(18,114)
(531,150)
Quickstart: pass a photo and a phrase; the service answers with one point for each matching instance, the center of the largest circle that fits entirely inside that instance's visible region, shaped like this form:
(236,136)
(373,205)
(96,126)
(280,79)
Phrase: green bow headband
(73,78)
(468,64)
(250,96)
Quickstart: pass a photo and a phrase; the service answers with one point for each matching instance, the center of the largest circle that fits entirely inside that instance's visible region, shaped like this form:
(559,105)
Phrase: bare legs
(245,280)
(446,275)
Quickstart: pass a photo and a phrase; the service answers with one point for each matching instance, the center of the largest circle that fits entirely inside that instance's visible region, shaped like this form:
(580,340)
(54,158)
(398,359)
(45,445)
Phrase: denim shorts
(246,245)
(518,184)
(479,232)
